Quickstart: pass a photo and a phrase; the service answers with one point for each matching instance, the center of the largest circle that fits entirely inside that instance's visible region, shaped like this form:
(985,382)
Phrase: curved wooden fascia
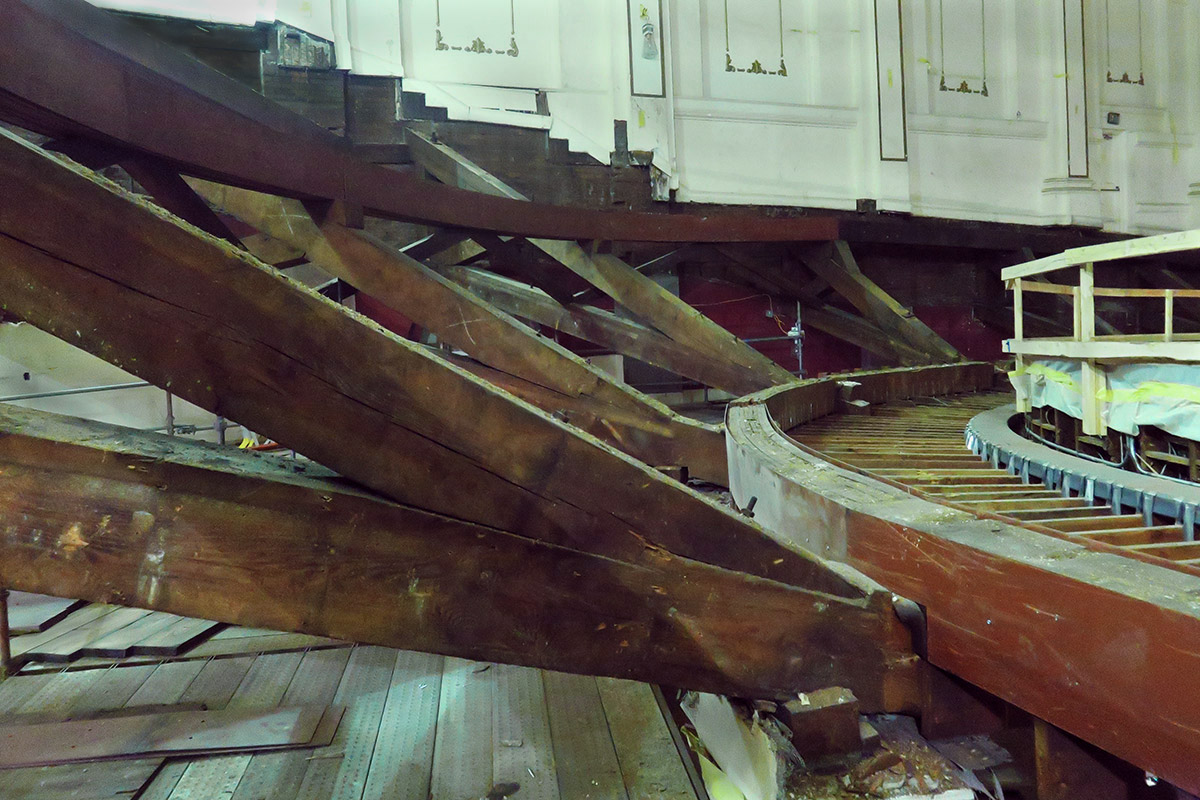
(1092,641)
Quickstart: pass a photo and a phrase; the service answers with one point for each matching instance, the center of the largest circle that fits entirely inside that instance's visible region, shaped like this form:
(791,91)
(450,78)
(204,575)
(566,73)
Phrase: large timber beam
(836,264)
(861,333)
(819,314)
(1099,644)
(114,515)
(115,275)
(625,285)
(600,327)
(467,322)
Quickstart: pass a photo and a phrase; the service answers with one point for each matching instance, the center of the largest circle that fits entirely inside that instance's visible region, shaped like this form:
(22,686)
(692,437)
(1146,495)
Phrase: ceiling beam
(602,328)
(836,264)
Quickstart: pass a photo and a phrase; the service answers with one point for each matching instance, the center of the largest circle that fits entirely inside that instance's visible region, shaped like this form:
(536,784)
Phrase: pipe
(5,645)
(65,392)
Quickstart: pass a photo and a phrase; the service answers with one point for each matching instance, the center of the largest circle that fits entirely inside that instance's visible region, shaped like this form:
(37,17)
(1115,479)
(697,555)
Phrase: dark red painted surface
(373,309)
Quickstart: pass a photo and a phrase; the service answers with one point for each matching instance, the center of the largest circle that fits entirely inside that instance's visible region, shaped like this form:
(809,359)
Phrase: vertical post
(1024,403)
(1092,381)
(5,645)
(1068,768)
(170,415)
(1169,315)
(1076,329)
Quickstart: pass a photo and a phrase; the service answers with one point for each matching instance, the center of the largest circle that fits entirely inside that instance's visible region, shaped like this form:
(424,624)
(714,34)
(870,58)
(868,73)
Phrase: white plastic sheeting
(1165,396)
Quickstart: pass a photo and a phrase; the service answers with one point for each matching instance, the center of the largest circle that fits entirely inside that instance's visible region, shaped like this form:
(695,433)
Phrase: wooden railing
(1084,345)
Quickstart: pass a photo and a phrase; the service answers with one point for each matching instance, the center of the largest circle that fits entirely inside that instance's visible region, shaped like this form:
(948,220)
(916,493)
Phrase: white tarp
(1162,395)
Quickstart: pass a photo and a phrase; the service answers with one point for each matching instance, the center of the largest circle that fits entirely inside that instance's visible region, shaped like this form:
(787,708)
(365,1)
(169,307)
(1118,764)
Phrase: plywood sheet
(152,734)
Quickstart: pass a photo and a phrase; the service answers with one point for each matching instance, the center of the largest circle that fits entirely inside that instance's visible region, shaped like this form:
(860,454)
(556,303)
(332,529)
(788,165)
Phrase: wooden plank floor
(417,726)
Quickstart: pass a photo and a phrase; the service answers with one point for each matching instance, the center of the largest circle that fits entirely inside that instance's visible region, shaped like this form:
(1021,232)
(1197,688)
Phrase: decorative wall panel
(752,32)
(1124,55)
(962,47)
(646,48)
(491,42)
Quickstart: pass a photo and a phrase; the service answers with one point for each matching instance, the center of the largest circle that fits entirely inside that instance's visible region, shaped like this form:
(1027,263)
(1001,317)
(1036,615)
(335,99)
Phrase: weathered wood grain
(124,280)
(603,328)
(147,529)
(461,318)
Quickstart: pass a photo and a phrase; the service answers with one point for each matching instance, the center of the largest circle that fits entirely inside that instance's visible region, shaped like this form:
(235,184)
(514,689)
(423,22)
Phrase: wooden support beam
(614,277)
(862,333)
(664,263)
(90,153)
(836,264)
(1067,768)
(470,324)
(114,515)
(519,260)
(601,327)
(819,314)
(123,280)
(666,312)
(435,243)
(171,192)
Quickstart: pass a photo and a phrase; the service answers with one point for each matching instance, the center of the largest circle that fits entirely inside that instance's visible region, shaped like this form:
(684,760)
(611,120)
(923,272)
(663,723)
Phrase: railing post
(1168,315)
(5,645)
(1024,402)
(1092,381)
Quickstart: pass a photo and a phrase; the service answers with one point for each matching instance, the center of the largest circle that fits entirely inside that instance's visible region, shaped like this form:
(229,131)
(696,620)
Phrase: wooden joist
(836,264)
(117,276)
(816,312)
(600,327)
(115,515)
(471,324)
(625,285)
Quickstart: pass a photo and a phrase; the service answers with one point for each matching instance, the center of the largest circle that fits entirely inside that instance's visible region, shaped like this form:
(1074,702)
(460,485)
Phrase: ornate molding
(756,67)
(478,46)
(964,85)
(1108,72)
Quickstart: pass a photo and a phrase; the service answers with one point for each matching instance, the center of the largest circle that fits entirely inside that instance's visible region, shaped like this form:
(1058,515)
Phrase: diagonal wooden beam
(1066,301)
(89,263)
(521,261)
(835,263)
(600,327)
(469,323)
(822,316)
(614,277)
(861,333)
(171,192)
(114,515)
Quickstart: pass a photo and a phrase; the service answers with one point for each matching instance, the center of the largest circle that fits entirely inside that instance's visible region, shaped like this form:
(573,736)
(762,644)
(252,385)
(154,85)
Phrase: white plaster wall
(52,365)
(816,102)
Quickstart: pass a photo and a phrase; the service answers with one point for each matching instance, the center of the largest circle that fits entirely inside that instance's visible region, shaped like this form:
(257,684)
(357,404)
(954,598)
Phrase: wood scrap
(175,733)
(34,613)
